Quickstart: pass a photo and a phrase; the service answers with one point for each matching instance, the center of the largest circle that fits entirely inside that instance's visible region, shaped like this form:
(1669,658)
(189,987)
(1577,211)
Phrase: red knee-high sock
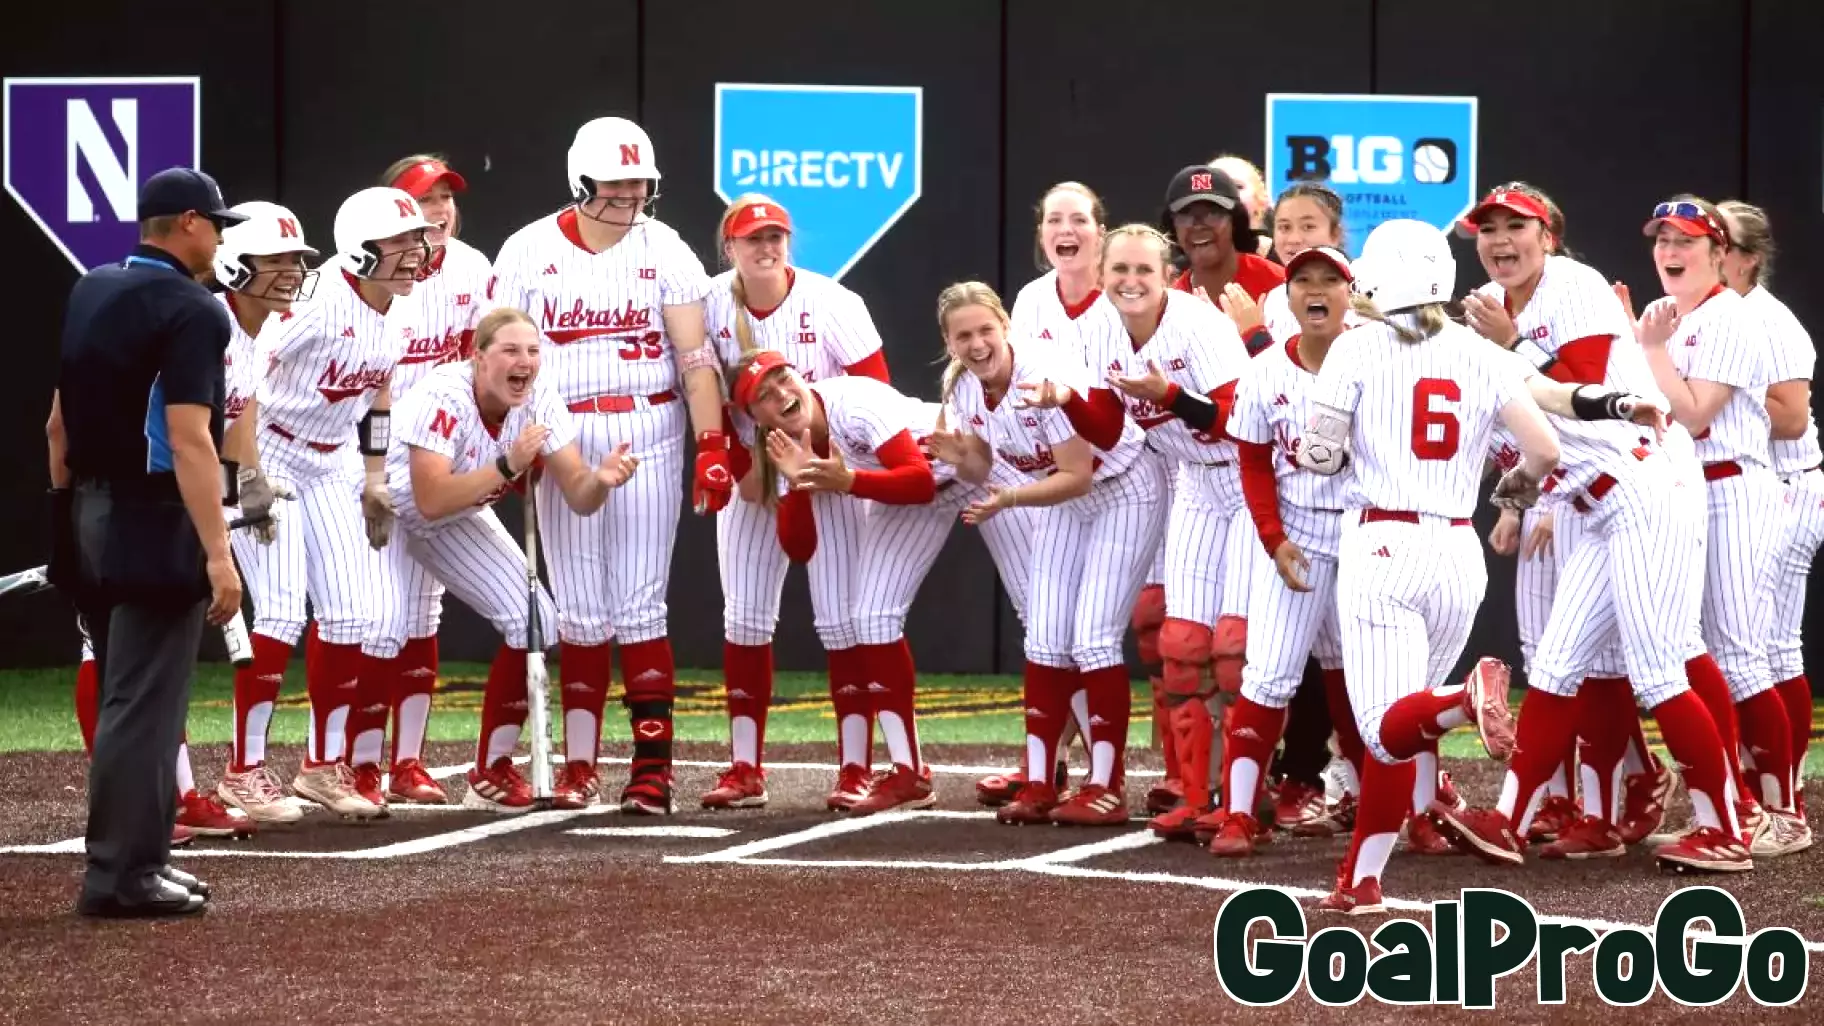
(1385,802)
(256,689)
(1637,740)
(503,706)
(88,702)
(1697,746)
(1342,719)
(1712,689)
(1110,707)
(1768,735)
(1252,732)
(649,679)
(891,667)
(1605,707)
(1046,691)
(747,686)
(1543,739)
(854,708)
(1415,722)
(414,687)
(584,672)
(332,681)
(1795,694)
(367,717)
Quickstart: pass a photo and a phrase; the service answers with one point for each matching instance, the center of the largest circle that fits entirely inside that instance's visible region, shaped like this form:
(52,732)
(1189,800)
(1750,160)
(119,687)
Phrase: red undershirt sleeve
(1260,487)
(907,481)
(1584,361)
(797,527)
(874,365)
(1097,417)
(740,461)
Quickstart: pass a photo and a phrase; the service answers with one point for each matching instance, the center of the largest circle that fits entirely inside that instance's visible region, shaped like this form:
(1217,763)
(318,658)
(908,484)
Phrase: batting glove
(1517,490)
(258,496)
(715,479)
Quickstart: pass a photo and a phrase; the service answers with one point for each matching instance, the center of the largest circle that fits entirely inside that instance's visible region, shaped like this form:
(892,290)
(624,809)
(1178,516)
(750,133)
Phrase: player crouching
(468,433)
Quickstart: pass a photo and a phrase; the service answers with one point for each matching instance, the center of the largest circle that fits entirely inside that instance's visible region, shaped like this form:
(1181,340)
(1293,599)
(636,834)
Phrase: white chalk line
(941,769)
(652,831)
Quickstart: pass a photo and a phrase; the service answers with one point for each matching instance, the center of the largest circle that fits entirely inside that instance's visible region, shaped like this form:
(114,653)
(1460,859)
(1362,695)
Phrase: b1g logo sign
(1389,157)
(77,150)
(846,161)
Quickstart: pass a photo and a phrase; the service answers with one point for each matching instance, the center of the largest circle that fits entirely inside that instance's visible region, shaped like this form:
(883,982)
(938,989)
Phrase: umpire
(138,539)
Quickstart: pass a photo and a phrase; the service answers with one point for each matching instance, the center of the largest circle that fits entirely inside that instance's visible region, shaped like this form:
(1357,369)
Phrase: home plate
(652,831)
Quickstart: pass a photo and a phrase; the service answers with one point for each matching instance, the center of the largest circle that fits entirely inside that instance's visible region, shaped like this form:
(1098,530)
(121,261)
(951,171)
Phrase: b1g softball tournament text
(1489,933)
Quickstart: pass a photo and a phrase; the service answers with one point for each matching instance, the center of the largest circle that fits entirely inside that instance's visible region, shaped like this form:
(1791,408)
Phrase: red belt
(1604,484)
(620,403)
(1371,516)
(1718,471)
(289,437)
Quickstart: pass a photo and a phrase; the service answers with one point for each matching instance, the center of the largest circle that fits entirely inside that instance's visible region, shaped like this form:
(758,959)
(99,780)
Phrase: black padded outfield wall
(911,141)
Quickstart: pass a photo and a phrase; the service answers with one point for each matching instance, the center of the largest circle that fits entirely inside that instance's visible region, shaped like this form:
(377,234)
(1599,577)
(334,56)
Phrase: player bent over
(467,433)
(1100,518)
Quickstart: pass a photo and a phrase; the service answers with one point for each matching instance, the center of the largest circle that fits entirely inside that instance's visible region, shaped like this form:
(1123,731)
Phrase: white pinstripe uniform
(1410,572)
(820,328)
(606,348)
(325,365)
(1272,407)
(1796,462)
(1090,554)
(450,304)
(1199,350)
(469,552)
(1722,340)
(1039,315)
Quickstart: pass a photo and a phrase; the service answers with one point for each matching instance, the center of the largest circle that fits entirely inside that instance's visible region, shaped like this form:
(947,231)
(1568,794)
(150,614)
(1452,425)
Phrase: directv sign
(845,161)
(78,149)
(1389,157)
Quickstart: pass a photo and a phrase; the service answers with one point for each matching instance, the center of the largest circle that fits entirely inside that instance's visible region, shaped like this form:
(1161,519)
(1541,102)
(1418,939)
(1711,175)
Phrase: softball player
(764,303)
(325,399)
(1100,519)
(619,298)
(1710,357)
(854,436)
(1416,398)
(1175,360)
(1052,310)
(1747,266)
(468,432)
(451,292)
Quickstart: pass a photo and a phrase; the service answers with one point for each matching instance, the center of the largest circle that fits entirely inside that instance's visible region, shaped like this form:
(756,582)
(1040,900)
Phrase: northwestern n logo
(77,150)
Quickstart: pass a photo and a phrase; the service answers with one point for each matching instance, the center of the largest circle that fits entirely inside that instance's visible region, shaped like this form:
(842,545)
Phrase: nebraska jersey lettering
(1196,347)
(1272,407)
(1023,438)
(1721,340)
(450,304)
(329,361)
(1276,313)
(240,364)
(864,413)
(601,313)
(1424,413)
(1794,358)
(1039,315)
(441,416)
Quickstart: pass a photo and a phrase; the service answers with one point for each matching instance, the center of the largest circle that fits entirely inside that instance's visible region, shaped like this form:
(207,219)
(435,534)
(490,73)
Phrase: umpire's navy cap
(179,190)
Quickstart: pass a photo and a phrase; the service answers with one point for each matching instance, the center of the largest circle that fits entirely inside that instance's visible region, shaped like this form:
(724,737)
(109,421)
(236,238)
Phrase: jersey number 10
(1434,432)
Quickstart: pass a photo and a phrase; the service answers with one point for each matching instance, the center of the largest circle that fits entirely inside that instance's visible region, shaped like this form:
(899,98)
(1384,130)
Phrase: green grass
(37,712)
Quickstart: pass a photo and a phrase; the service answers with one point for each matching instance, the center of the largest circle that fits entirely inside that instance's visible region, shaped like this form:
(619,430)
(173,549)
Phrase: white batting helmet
(367,217)
(269,230)
(610,150)
(1405,264)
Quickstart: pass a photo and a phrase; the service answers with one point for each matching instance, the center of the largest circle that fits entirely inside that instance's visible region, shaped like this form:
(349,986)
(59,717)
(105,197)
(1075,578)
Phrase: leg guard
(1194,731)
(1185,646)
(1149,616)
(1229,651)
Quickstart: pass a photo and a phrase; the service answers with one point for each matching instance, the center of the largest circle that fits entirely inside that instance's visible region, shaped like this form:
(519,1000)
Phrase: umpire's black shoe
(162,900)
(185,880)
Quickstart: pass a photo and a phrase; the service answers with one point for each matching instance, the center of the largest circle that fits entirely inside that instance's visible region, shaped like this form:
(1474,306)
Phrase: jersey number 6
(1440,444)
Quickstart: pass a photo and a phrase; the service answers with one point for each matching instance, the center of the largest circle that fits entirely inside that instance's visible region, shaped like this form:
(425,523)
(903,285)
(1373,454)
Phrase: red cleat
(1337,819)
(499,788)
(1360,900)
(1643,802)
(408,781)
(743,786)
(1484,833)
(1166,795)
(1447,792)
(648,791)
(1424,838)
(852,782)
(367,785)
(1705,850)
(1237,835)
(1588,838)
(1092,805)
(901,788)
(1555,816)
(575,785)
(1178,824)
(181,836)
(1485,700)
(1033,805)
(1298,804)
(205,816)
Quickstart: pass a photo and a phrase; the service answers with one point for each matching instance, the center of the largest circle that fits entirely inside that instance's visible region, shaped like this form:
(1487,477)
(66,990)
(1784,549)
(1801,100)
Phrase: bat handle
(234,636)
(239,522)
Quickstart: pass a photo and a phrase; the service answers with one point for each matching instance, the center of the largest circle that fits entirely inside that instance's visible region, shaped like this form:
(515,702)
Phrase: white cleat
(258,793)
(333,787)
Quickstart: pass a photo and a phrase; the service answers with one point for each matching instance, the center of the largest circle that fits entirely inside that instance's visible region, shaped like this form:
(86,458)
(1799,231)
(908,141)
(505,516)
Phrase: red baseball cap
(764,363)
(1689,218)
(1329,254)
(1508,200)
(418,179)
(757,215)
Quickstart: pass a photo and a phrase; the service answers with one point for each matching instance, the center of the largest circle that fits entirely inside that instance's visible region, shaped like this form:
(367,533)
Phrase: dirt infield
(782,915)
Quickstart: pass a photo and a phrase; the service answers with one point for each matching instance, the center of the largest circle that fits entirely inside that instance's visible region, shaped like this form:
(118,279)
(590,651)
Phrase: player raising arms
(324,408)
(619,297)
(1712,359)
(466,434)
(1747,268)
(763,303)
(1414,398)
(1100,519)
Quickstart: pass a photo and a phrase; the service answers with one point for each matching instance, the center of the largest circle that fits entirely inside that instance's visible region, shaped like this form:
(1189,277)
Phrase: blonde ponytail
(1429,319)
(763,460)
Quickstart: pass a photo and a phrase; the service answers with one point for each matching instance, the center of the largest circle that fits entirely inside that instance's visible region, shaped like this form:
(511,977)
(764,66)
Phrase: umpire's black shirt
(138,335)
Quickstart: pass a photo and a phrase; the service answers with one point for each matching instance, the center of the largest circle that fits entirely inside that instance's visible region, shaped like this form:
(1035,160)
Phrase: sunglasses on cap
(1686,214)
